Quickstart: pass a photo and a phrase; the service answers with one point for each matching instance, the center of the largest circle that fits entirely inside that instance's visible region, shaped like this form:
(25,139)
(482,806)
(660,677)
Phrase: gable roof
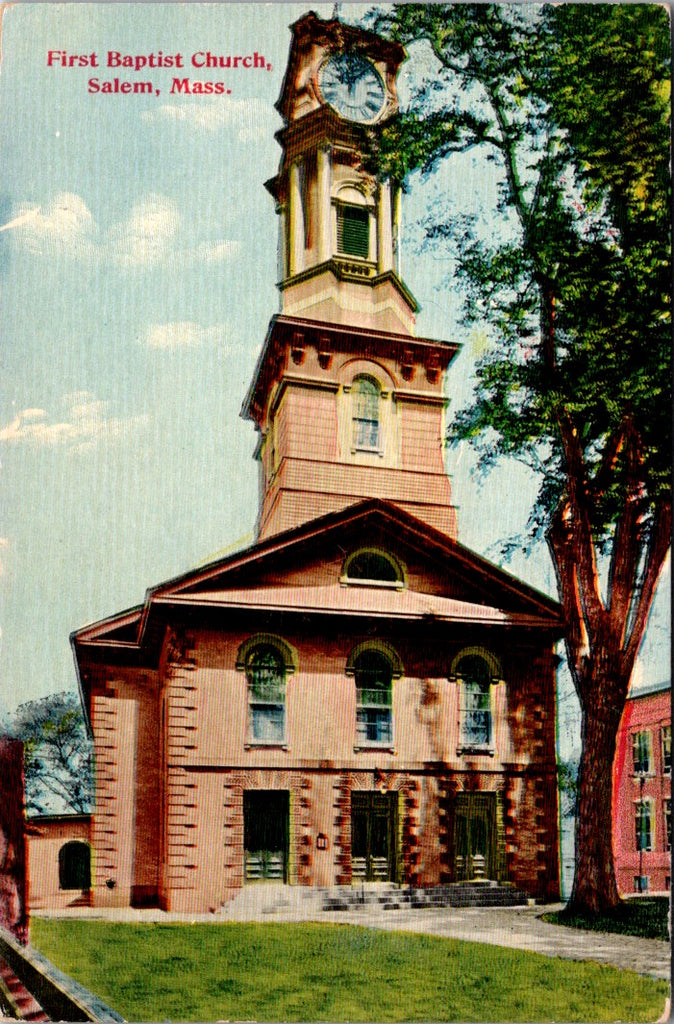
(476,590)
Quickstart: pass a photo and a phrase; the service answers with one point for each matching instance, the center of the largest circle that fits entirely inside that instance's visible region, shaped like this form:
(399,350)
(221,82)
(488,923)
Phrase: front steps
(260,900)
(456,894)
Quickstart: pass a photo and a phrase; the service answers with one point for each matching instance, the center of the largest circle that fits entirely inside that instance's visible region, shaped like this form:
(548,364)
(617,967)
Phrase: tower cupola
(339,223)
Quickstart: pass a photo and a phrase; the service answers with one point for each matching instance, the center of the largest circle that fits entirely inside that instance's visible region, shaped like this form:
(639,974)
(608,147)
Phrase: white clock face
(353,87)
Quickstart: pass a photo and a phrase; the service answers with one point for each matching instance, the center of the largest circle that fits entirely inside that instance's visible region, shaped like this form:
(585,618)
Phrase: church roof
(274,576)
(354,600)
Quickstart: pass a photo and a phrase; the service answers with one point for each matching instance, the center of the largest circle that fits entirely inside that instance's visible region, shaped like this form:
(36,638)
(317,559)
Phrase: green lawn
(316,972)
(645,916)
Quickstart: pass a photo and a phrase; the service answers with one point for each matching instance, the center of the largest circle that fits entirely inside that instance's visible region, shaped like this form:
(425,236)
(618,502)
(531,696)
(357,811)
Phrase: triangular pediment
(303,571)
(305,568)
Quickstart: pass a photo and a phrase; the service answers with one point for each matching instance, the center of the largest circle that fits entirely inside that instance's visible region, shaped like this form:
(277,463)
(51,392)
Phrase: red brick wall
(642,714)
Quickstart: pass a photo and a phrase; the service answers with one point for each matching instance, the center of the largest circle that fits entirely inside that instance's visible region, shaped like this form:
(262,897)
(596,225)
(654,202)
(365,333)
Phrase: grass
(317,972)
(645,917)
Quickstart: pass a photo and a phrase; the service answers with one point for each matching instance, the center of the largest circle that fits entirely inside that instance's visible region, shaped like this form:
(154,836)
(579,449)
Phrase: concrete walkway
(512,927)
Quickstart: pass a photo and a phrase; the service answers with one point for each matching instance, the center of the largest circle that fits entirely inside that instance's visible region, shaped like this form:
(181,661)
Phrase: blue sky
(138,270)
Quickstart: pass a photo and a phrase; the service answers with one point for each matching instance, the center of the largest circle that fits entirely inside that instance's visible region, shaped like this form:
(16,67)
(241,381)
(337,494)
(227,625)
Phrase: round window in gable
(370,566)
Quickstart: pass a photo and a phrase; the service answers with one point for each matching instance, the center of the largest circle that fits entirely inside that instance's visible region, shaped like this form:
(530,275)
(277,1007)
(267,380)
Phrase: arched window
(366,426)
(476,672)
(372,566)
(266,677)
(75,866)
(373,674)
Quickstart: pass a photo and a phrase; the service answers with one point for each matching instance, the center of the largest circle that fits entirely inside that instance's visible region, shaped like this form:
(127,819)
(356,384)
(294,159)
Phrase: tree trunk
(594,888)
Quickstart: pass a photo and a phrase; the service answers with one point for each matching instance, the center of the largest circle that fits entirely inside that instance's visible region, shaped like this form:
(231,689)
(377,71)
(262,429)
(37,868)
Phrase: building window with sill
(666,745)
(643,826)
(641,883)
(641,753)
(266,661)
(374,710)
(366,397)
(353,231)
(475,672)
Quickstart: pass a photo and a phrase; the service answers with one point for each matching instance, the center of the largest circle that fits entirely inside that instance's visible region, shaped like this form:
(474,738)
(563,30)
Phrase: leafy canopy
(572,102)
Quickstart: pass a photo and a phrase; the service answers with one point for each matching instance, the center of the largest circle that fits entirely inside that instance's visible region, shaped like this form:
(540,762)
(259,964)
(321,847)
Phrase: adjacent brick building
(642,787)
(357,696)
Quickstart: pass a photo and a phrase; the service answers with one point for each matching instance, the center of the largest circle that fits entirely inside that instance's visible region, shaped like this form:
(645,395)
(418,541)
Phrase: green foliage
(646,917)
(567,784)
(572,102)
(332,972)
(58,755)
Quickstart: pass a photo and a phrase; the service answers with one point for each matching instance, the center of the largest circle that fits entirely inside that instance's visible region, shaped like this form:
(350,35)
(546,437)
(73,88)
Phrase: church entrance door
(475,836)
(374,818)
(265,825)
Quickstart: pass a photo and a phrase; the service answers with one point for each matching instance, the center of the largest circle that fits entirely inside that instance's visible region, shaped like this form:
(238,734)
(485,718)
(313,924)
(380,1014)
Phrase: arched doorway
(75,865)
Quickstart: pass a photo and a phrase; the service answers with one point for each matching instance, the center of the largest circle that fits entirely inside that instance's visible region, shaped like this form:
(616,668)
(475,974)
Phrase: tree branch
(658,546)
(561,543)
(624,567)
(588,576)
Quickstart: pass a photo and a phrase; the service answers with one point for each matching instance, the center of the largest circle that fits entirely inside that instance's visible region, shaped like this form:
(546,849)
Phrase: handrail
(61,997)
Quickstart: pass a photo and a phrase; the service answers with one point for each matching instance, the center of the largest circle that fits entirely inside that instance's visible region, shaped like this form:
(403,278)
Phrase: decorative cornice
(289,337)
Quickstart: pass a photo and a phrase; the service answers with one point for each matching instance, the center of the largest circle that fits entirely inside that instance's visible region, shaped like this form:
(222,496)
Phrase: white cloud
(65,225)
(249,117)
(188,334)
(16,222)
(181,334)
(84,423)
(149,236)
(213,252)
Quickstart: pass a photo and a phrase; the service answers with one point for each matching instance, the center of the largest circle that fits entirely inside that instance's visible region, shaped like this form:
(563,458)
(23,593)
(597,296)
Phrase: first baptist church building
(357,696)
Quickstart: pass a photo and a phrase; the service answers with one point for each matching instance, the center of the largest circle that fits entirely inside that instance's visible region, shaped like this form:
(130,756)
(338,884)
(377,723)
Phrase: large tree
(58,757)
(572,102)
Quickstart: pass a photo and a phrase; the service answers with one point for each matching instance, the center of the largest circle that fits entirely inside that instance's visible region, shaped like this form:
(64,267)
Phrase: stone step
(478,894)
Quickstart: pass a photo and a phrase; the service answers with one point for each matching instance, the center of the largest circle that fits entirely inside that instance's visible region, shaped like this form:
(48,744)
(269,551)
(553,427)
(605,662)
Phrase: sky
(138,275)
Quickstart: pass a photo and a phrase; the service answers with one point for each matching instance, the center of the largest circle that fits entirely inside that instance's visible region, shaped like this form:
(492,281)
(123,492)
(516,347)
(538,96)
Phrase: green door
(475,836)
(374,819)
(265,820)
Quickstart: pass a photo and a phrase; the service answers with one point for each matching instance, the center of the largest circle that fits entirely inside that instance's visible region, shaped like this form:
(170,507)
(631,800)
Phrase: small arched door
(75,865)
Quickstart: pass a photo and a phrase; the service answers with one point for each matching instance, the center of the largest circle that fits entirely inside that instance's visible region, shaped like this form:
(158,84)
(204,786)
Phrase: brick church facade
(357,696)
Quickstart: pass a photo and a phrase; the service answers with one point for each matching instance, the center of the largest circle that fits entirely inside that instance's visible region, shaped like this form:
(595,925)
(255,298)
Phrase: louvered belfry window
(353,231)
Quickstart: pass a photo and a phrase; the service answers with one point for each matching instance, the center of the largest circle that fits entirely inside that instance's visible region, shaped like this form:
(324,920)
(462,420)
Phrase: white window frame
(287,659)
(357,444)
(388,654)
(467,745)
(644,804)
(641,738)
(666,746)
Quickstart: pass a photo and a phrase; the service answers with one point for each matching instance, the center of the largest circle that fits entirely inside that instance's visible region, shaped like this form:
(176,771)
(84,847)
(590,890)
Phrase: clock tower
(348,402)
